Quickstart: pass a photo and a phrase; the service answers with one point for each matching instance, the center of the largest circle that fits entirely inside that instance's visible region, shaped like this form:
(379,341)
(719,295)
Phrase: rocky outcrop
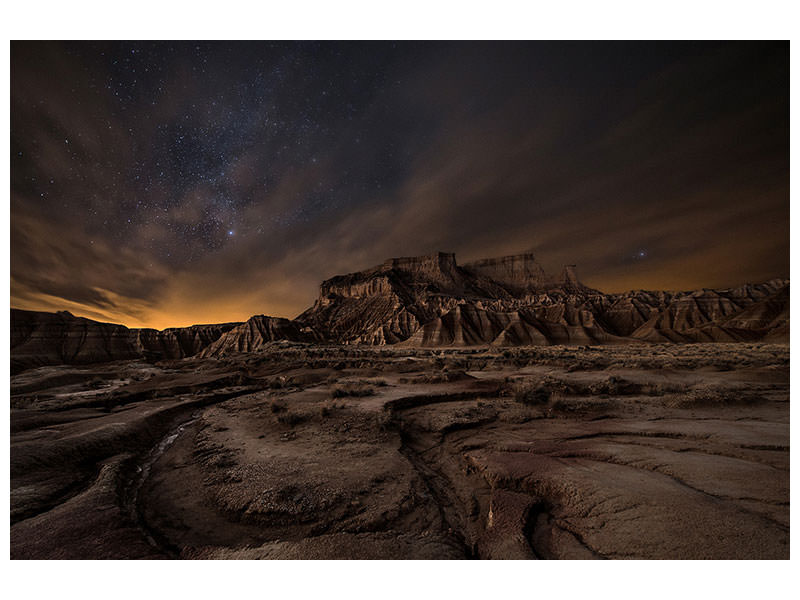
(468,325)
(178,342)
(42,338)
(520,272)
(254,333)
(745,313)
(770,315)
(387,303)
(410,279)
(433,301)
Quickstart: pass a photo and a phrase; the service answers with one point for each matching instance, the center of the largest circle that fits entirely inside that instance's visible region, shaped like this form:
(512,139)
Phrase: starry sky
(164,184)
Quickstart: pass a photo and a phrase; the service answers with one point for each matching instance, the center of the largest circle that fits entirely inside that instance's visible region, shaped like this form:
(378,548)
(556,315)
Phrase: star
(295,141)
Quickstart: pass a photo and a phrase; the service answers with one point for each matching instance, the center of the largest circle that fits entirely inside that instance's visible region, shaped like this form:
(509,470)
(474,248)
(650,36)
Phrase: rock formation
(745,313)
(255,332)
(511,300)
(42,338)
(433,301)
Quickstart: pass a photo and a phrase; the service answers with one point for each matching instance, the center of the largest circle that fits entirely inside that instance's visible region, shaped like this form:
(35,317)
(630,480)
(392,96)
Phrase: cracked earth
(551,453)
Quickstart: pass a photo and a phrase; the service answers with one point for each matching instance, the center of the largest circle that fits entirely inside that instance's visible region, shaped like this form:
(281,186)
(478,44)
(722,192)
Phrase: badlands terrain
(420,409)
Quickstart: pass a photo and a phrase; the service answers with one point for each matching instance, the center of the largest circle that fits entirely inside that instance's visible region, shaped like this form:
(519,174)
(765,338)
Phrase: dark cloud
(164,184)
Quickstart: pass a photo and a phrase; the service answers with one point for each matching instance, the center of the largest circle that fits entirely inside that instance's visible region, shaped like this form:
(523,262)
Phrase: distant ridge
(43,338)
(433,301)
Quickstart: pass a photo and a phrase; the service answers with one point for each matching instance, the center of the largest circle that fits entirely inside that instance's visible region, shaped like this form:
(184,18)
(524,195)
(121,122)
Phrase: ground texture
(295,451)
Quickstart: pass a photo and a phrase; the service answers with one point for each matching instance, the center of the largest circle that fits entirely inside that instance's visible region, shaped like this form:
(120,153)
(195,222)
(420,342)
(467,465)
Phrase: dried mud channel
(135,477)
(551,453)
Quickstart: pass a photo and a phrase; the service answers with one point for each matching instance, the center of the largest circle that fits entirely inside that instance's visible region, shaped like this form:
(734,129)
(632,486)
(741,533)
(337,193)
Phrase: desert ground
(335,452)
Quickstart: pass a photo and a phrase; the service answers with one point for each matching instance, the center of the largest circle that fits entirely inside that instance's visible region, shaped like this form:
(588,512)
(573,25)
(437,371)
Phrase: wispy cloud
(479,150)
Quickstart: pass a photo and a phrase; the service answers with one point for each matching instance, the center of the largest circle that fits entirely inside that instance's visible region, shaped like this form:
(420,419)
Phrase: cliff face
(41,338)
(440,268)
(178,342)
(519,273)
(255,332)
(742,314)
(469,325)
(511,300)
(432,301)
(389,303)
(408,278)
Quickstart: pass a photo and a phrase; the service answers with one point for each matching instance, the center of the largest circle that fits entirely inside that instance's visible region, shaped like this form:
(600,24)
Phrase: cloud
(483,150)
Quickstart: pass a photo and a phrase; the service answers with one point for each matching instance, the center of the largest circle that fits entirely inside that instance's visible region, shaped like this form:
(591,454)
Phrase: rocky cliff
(745,313)
(511,300)
(387,303)
(433,301)
(42,338)
(255,332)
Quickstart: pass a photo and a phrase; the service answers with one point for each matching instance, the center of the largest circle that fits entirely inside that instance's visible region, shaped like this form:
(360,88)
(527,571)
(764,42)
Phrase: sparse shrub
(577,405)
(277,383)
(23,401)
(579,365)
(559,403)
(291,418)
(612,385)
(356,390)
(531,393)
(108,403)
(617,386)
(383,420)
(660,389)
(711,396)
(443,376)
(277,406)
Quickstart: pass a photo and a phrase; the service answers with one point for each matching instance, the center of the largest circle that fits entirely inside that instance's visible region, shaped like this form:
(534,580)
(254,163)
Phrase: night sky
(165,184)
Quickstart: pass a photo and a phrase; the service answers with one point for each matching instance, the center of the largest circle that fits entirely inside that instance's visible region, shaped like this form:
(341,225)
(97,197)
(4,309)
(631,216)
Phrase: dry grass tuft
(709,396)
(355,390)
(531,393)
(291,418)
